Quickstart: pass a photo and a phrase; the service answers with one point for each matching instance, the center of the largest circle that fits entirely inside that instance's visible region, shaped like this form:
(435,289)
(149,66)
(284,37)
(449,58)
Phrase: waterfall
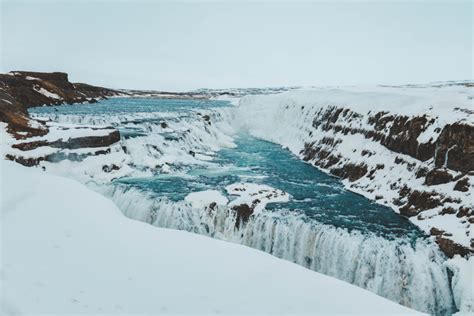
(410,273)
(446,156)
(405,271)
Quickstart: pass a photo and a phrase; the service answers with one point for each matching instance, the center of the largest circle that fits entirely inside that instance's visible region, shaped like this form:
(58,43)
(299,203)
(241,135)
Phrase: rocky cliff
(32,140)
(444,164)
(20,90)
(410,148)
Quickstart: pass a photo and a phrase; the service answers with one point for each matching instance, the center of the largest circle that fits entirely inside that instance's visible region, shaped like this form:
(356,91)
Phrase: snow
(67,131)
(6,139)
(255,194)
(35,124)
(6,101)
(202,199)
(68,250)
(47,93)
(203,157)
(462,283)
(32,78)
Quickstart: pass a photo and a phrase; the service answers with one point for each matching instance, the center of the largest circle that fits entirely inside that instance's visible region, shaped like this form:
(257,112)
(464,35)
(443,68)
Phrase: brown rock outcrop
(462,185)
(242,213)
(447,155)
(20,90)
(455,147)
(73,143)
(450,248)
(437,176)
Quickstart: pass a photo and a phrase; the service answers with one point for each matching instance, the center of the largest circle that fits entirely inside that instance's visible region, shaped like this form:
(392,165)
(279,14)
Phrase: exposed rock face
(350,171)
(446,157)
(15,115)
(40,88)
(455,147)
(437,176)
(450,248)
(20,90)
(418,202)
(92,141)
(27,162)
(402,136)
(243,212)
(58,156)
(462,185)
(73,143)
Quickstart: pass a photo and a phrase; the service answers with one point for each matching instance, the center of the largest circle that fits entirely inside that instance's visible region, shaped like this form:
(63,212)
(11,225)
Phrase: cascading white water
(163,140)
(410,274)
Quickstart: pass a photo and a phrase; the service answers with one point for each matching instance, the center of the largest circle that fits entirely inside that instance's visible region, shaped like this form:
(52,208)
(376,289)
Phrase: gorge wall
(410,148)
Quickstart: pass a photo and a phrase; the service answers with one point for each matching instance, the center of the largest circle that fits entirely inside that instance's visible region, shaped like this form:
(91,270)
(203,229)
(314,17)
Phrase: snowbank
(68,250)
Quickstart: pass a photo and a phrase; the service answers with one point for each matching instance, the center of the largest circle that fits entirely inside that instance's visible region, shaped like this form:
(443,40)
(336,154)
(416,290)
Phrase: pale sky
(188,45)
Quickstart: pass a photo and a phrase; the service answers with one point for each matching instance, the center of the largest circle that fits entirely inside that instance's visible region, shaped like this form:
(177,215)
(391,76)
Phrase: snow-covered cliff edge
(411,148)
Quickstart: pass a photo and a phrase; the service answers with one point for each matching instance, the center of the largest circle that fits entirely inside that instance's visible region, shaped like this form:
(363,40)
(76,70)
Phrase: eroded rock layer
(409,148)
(36,140)
(20,90)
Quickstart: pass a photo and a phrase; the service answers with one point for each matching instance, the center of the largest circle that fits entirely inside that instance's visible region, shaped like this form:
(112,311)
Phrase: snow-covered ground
(68,250)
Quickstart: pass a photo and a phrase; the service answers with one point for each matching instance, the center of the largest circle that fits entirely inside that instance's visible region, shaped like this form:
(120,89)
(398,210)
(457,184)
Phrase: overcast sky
(189,45)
